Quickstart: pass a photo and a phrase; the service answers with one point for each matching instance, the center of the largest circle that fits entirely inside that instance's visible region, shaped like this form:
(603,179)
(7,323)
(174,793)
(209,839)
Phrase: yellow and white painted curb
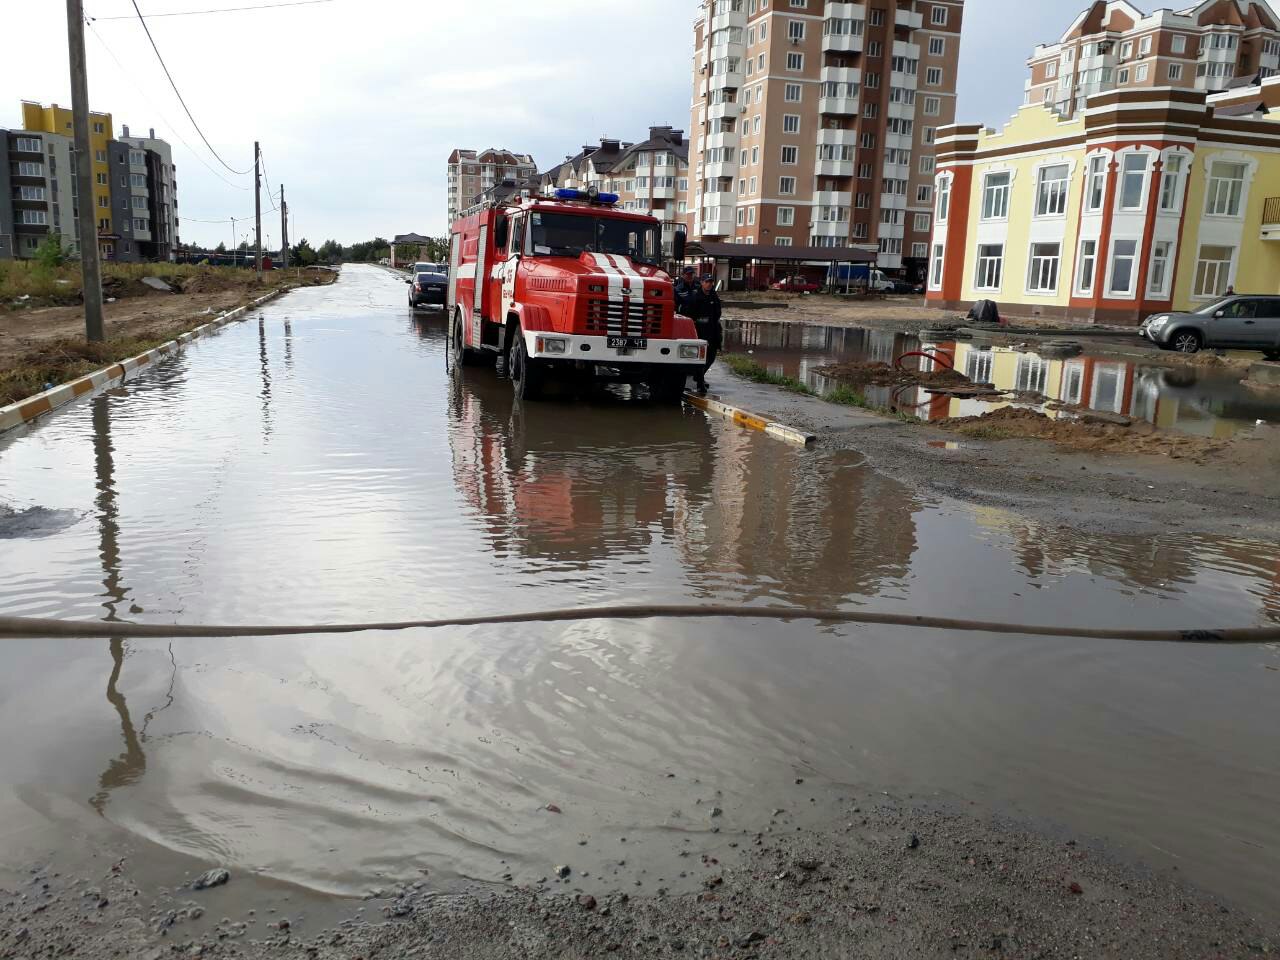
(751,421)
(24,411)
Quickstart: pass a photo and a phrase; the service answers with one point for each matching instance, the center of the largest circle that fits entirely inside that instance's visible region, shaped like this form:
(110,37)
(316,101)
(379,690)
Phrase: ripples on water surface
(320,466)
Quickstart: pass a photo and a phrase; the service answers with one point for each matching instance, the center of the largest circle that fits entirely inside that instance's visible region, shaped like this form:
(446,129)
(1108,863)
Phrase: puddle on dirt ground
(1187,400)
(322,465)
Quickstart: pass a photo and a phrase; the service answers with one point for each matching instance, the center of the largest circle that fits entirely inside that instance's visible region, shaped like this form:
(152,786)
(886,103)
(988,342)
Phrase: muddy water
(319,465)
(1197,401)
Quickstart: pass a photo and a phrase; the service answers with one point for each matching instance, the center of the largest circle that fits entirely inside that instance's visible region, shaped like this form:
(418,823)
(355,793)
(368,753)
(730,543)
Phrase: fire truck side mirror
(677,246)
(500,233)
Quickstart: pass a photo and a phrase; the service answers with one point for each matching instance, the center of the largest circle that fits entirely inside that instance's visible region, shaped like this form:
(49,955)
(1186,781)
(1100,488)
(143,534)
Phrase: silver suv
(1237,322)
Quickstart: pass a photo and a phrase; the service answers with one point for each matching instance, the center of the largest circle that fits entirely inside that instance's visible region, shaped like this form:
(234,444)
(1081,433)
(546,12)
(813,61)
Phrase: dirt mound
(208,281)
(1085,433)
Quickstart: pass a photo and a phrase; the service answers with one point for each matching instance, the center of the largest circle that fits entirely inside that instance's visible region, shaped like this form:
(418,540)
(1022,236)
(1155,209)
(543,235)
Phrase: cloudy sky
(357,103)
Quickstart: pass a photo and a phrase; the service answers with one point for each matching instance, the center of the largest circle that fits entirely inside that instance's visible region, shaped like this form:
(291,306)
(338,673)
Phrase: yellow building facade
(1147,200)
(56,119)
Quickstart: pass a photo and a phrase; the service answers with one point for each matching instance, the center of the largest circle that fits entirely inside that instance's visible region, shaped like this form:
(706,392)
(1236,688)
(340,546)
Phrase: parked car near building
(1238,322)
(795,285)
(429,286)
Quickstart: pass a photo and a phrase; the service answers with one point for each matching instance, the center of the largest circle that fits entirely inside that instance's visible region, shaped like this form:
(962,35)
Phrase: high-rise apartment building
(651,176)
(813,122)
(144,190)
(471,173)
(1211,46)
(58,120)
(37,192)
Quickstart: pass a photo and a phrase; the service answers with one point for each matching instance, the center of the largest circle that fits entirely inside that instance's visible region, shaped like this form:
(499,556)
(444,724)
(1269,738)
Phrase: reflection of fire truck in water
(610,488)
(567,287)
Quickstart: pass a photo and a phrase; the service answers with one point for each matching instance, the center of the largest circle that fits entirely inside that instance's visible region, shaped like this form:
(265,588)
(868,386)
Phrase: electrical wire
(195,153)
(224,220)
(143,21)
(270,193)
(201,13)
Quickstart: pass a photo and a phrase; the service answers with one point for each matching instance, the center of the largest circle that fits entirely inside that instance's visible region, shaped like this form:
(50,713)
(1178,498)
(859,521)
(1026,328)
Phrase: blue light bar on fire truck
(567,193)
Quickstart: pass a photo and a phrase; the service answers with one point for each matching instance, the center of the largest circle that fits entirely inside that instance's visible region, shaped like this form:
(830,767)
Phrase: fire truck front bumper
(622,358)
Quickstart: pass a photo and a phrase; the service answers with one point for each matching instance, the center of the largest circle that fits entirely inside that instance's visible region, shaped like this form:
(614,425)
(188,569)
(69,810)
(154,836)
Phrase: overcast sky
(359,102)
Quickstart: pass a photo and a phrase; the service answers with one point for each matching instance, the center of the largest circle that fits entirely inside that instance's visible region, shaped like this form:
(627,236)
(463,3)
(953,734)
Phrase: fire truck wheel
(459,355)
(525,375)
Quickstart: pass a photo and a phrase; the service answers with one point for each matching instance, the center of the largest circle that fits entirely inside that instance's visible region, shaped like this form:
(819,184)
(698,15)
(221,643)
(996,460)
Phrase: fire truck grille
(619,319)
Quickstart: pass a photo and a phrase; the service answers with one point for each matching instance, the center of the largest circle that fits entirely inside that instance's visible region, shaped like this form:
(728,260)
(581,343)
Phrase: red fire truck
(568,287)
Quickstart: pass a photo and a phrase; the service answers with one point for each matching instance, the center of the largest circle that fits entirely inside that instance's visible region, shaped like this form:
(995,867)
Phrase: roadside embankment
(887,878)
(43,346)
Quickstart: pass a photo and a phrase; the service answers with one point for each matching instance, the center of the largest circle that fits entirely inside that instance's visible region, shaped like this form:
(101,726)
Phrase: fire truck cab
(568,287)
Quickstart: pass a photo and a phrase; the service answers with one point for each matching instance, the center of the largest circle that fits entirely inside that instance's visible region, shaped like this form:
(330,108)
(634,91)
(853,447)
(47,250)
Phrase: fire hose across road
(30,627)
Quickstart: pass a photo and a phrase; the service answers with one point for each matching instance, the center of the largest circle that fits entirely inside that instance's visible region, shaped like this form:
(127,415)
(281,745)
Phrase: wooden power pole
(90,268)
(284,229)
(257,210)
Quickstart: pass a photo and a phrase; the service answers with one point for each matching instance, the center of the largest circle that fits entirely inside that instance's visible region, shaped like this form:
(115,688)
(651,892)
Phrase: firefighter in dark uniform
(685,287)
(704,308)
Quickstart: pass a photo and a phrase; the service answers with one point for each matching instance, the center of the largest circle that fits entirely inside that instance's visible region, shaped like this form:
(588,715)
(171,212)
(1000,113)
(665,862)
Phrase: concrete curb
(24,411)
(750,420)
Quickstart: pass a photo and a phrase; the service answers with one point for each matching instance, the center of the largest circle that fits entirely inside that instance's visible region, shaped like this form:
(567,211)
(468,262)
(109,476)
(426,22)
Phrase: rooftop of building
(1115,17)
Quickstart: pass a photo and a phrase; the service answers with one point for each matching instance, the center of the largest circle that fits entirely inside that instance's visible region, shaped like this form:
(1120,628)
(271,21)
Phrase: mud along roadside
(1225,488)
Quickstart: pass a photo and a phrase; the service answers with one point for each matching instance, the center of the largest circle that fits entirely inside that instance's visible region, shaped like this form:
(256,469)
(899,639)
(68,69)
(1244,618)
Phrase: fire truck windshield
(570,235)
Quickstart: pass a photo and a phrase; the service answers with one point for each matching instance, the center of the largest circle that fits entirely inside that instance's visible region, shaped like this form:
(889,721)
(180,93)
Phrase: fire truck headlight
(552,345)
(692,351)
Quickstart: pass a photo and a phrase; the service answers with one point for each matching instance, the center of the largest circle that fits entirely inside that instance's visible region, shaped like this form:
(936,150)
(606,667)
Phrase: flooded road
(1197,401)
(319,465)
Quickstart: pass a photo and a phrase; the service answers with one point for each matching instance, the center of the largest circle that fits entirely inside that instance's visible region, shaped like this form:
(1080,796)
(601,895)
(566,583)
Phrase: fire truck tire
(525,375)
(459,355)
(669,390)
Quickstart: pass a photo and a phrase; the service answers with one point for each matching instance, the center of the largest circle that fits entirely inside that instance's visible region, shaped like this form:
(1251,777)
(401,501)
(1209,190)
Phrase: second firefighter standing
(704,308)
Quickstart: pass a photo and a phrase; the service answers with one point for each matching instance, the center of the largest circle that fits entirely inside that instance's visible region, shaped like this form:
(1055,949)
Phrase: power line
(201,13)
(195,153)
(143,21)
(270,195)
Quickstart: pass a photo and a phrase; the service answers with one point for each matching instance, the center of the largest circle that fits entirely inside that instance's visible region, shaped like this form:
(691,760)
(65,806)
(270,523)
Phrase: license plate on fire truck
(629,343)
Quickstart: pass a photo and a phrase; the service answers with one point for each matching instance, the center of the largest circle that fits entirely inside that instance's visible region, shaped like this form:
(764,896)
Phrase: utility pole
(90,268)
(234,260)
(284,229)
(257,210)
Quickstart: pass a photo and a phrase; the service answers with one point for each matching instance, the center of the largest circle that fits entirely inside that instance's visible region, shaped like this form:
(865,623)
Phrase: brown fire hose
(32,627)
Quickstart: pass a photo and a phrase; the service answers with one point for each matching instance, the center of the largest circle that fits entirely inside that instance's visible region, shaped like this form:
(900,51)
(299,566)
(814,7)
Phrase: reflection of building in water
(573,485)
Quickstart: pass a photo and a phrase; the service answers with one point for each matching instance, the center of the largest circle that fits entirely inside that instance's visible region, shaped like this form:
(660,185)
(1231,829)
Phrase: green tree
(330,251)
(302,254)
(50,253)
(220,248)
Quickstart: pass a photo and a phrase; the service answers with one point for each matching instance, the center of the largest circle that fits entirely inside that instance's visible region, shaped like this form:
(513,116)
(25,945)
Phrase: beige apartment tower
(1213,46)
(813,122)
(471,173)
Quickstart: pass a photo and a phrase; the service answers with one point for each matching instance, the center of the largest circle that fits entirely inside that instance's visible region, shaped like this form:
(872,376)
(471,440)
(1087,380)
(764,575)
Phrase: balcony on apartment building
(908,19)
(723,139)
(718,169)
(832,198)
(830,228)
(719,221)
(900,109)
(726,109)
(838,90)
(726,75)
(728,13)
(661,191)
(1271,219)
(838,35)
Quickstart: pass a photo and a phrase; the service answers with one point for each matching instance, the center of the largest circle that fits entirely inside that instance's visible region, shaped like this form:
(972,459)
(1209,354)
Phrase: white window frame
(786,216)
(1128,293)
(989,268)
(1219,194)
(795,30)
(798,60)
(923,222)
(1179,43)
(1123,175)
(1175,71)
(790,123)
(938,16)
(1161,267)
(1095,176)
(1042,268)
(933,75)
(1198,289)
(782,183)
(789,150)
(942,208)
(938,47)
(937,266)
(1144,46)
(1051,194)
(932,106)
(789,89)
(1001,192)
(1091,259)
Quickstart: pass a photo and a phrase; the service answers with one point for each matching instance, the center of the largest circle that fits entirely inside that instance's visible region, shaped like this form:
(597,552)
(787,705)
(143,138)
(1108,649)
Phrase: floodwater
(319,465)
(1200,402)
